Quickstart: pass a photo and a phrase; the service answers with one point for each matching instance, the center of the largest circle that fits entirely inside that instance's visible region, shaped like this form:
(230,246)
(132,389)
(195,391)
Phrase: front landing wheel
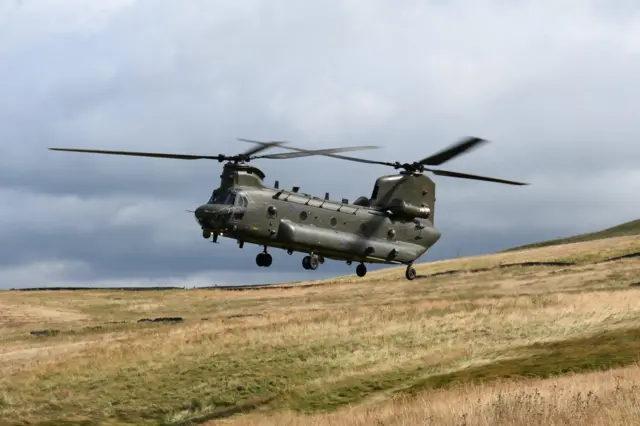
(310,262)
(410,273)
(361,270)
(264,260)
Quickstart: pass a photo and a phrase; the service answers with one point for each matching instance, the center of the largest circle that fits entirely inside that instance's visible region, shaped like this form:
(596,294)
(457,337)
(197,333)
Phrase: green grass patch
(599,352)
(622,230)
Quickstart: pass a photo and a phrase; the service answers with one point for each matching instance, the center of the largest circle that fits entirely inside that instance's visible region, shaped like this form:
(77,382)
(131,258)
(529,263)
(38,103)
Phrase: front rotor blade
(305,153)
(262,146)
(475,177)
(141,154)
(451,152)
(344,157)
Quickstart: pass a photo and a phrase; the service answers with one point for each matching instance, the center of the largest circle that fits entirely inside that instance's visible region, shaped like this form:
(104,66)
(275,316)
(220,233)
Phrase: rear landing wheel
(361,270)
(411,273)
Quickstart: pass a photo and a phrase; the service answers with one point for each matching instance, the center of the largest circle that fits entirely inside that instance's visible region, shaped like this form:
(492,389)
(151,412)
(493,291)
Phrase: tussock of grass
(338,346)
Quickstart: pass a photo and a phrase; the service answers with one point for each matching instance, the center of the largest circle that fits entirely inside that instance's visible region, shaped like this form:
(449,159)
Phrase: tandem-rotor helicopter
(395,225)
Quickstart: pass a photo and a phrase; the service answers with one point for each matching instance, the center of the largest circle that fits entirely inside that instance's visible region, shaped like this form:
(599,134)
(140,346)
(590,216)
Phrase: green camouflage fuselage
(394,226)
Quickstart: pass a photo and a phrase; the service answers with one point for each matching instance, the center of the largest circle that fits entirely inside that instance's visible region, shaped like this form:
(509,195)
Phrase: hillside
(510,338)
(625,229)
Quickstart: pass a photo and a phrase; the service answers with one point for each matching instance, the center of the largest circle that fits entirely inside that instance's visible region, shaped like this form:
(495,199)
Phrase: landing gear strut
(264,259)
(361,270)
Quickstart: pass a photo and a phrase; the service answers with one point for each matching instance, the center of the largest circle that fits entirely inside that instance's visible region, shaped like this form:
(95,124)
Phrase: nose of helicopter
(210,215)
(201,214)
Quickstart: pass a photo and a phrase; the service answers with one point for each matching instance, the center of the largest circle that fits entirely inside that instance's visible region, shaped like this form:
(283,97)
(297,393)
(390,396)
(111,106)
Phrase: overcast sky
(552,84)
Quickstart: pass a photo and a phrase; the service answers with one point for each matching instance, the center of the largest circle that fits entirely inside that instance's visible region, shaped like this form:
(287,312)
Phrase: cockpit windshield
(229,198)
(222,198)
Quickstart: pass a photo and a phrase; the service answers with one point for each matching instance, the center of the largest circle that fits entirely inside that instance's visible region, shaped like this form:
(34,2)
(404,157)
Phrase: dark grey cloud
(553,85)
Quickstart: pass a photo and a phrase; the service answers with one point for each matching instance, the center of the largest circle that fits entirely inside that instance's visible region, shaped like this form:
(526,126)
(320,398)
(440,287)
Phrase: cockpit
(223,206)
(230,198)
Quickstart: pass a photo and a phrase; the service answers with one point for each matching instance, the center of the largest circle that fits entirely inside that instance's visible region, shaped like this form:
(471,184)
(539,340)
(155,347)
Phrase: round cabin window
(304,215)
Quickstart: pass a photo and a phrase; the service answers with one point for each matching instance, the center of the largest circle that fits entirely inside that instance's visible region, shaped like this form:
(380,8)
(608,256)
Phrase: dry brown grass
(608,398)
(383,346)
(11,314)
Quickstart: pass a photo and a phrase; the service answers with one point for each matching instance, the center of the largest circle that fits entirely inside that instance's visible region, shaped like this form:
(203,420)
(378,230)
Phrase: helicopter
(395,225)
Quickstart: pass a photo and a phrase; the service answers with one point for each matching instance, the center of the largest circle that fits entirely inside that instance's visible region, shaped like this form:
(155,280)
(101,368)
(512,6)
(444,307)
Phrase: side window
(374,194)
(241,200)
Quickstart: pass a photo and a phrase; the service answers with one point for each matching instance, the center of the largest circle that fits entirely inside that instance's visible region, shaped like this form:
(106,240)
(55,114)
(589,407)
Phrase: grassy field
(540,336)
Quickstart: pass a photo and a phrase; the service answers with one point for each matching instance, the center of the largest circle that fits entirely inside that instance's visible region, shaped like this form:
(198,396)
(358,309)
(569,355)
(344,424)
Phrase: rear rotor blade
(305,153)
(142,154)
(474,177)
(453,151)
(261,146)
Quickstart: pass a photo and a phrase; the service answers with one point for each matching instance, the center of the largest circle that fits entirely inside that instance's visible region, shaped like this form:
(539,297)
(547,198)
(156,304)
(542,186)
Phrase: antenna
(326,195)
(296,188)
(277,185)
